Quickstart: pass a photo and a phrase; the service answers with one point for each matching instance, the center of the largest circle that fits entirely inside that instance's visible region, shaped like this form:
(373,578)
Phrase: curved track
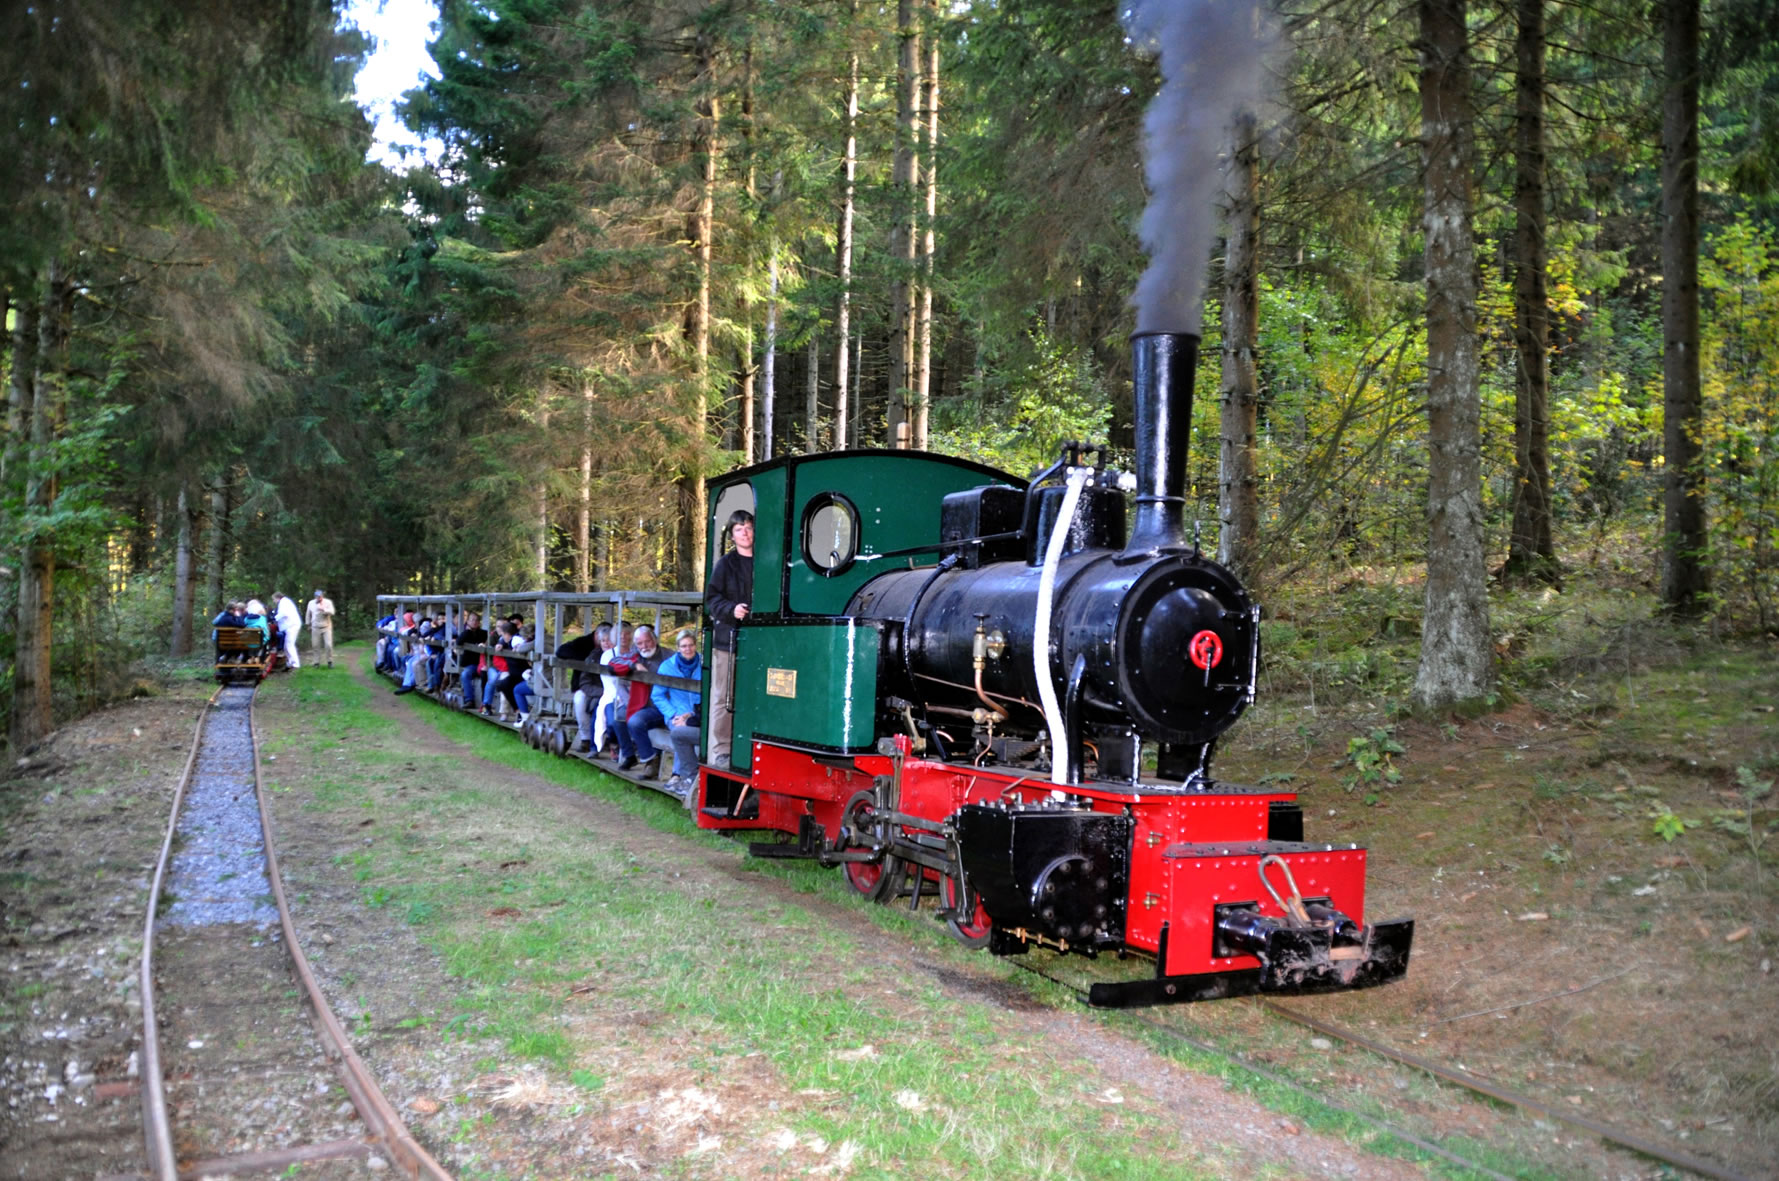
(223,975)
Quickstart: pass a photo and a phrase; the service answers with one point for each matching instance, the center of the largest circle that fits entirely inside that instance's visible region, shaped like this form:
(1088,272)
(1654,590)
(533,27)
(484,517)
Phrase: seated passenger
(469,664)
(580,685)
(257,619)
(443,633)
(516,684)
(608,724)
(679,709)
(233,615)
(386,643)
(642,751)
(421,653)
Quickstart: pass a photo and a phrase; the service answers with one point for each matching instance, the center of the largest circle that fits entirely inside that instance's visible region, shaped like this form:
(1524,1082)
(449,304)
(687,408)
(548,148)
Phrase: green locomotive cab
(806,674)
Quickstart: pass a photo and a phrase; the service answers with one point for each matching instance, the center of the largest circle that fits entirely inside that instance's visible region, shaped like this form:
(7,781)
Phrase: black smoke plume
(1214,60)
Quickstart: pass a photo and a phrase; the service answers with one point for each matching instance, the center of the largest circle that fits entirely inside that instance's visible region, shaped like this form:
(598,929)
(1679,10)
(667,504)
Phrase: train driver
(726,597)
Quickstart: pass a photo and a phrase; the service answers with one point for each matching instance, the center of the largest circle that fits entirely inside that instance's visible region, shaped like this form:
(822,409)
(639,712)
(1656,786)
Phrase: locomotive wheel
(971,932)
(876,880)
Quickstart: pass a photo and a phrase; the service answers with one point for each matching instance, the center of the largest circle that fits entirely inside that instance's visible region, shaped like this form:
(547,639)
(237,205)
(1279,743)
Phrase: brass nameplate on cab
(781,682)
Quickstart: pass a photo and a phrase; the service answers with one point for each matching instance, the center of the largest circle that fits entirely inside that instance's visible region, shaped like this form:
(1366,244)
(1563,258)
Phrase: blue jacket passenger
(674,702)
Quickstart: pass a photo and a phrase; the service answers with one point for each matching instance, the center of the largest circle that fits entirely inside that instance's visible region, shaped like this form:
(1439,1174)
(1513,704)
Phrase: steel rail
(373,1106)
(157,1131)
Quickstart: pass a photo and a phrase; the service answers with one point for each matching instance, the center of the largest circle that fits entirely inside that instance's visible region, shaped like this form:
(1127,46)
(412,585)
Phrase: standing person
(290,622)
(727,596)
(320,618)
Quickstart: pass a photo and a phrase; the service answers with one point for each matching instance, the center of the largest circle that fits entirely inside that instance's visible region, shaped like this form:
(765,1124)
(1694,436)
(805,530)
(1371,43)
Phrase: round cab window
(830,534)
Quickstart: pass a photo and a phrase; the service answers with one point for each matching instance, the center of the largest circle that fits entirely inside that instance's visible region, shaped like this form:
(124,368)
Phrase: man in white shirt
(320,618)
(290,622)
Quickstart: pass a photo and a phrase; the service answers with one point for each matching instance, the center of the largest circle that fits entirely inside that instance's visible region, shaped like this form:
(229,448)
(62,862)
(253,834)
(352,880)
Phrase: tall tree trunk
(1531,551)
(769,359)
(1456,658)
(923,400)
(1239,480)
(690,537)
(583,533)
(812,393)
(32,698)
(541,537)
(29,415)
(217,544)
(180,643)
(747,303)
(843,245)
(1684,574)
(905,182)
(21,393)
(858,386)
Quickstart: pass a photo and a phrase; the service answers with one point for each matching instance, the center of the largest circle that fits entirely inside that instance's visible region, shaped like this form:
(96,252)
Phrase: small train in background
(961,684)
(244,655)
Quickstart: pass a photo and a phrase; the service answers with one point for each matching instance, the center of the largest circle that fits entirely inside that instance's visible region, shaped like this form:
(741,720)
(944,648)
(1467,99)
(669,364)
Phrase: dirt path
(69,1009)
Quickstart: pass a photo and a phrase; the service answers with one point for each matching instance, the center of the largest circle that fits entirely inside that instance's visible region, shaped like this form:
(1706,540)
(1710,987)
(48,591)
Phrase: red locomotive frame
(1194,857)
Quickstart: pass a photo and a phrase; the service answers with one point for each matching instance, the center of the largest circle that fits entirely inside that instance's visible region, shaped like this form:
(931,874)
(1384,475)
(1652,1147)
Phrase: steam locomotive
(957,682)
(954,683)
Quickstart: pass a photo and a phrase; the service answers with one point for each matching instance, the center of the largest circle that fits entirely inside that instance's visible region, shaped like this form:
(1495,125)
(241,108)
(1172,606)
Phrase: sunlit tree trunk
(769,359)
(1531,551)
(905,182)
(812,405)
(746,381)
(692,507)
(1684,577)
(1239,481)
(541,531)
(843,248)
(583,534)
(923,400)
(1456,659)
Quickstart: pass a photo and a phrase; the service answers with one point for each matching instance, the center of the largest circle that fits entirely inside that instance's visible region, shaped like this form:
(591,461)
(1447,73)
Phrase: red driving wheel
(973,931)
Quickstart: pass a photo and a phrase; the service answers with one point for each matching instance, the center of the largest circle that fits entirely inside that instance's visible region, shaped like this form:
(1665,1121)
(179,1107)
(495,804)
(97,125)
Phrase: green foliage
(1019,421)
(1740,363)
(1667,823)
(1372,757)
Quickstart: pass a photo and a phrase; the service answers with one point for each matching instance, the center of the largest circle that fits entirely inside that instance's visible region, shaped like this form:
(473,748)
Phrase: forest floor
(556,976)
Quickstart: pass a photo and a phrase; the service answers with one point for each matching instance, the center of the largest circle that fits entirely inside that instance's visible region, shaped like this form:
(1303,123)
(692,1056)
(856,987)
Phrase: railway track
(236,1077)
(1475,1084)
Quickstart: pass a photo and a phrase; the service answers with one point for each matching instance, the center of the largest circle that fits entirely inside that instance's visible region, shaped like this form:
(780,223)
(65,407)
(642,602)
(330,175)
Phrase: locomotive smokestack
(1163,365)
